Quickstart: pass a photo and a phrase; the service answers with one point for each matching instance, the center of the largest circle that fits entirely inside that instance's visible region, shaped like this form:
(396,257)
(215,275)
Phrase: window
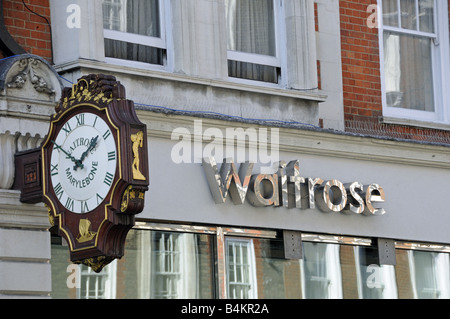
(176,259)
(429,274)
(167,272)
(134,31)
(321,271)
(98,285)
(374,281)
(412,60)
(252,40)
(205,262)
(173,265)
(241,271)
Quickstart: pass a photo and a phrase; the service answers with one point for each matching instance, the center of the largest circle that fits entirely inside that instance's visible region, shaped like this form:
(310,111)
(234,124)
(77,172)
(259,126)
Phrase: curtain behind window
(322,271)
(408,58)
(408,72)
(251,29)
(167,265)
(251,26)
(132,16)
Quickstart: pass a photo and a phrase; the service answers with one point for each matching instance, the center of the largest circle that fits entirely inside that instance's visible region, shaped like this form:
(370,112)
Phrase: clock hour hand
(90,147)
(77,162)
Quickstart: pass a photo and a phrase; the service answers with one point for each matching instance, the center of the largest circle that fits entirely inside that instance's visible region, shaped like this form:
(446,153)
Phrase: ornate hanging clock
(95,169)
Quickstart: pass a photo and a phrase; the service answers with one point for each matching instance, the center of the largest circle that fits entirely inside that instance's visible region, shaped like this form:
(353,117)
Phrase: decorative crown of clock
(95,169)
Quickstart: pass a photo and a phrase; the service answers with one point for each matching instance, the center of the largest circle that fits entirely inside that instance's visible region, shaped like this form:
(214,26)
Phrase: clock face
(83,163)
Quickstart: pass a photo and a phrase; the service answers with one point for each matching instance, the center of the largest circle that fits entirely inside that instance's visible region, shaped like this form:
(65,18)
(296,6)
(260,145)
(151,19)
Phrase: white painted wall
(329,54)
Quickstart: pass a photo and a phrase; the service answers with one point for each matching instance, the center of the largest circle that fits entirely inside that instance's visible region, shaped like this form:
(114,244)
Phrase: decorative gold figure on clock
(137,140)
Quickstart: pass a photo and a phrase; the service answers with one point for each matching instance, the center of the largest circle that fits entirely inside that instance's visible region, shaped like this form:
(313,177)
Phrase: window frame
(276,61)
(156,42)
(440,65)
(86,274)
(252,282)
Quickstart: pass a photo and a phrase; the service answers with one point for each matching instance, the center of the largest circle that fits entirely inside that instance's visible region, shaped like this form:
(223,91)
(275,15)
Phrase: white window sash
(254,58)
(439,55)
(267,60)
(410,32)
(135,38)
(156,42)
(399,19)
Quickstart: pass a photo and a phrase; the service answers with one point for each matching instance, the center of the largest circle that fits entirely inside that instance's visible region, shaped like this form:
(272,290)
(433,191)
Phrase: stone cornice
(317,142)
(95,67)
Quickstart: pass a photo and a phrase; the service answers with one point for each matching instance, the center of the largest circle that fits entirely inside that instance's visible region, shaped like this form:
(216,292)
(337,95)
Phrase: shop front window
(173,262)
(97,285)
(321,271)
(429,273)
(174,272)
(241,269)
(157,265)
(374,281)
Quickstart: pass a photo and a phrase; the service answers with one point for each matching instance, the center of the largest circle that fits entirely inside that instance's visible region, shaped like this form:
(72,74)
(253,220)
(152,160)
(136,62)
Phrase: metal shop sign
(288,189)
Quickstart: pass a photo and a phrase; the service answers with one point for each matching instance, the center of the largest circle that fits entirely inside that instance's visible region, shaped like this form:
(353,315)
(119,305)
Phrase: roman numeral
(99,199)
(69,204)
(107,134)
(59,191)
(84,207)
(95,121)
(54,170)
(66,128)
(111,156)
(80,119)
(108,179)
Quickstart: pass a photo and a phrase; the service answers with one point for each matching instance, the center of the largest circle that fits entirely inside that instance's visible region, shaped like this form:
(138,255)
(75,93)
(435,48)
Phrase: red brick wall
(30,30)
(361,77)
(360,62)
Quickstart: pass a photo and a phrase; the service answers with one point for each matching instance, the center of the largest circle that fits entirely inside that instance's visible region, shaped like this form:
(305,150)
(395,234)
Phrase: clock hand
(77,162)
(90,147)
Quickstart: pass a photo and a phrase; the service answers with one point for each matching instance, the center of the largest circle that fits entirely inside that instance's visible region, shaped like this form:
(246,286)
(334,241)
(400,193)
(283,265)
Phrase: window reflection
(157,265)
(429,274)
(321,271)
(173,265)
(241,270)
(160,265)
(374,281)
(97,285)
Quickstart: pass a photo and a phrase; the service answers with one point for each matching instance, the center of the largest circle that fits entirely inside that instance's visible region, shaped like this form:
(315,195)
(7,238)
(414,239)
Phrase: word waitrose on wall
(287,188)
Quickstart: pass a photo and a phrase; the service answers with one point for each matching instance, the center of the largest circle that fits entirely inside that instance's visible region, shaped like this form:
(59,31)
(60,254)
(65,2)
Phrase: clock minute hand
(77,162)
(90,147)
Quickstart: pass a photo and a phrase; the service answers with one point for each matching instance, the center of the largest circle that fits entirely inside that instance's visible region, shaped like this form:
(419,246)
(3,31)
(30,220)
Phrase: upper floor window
(412,59)
(252,40)
(133,30)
